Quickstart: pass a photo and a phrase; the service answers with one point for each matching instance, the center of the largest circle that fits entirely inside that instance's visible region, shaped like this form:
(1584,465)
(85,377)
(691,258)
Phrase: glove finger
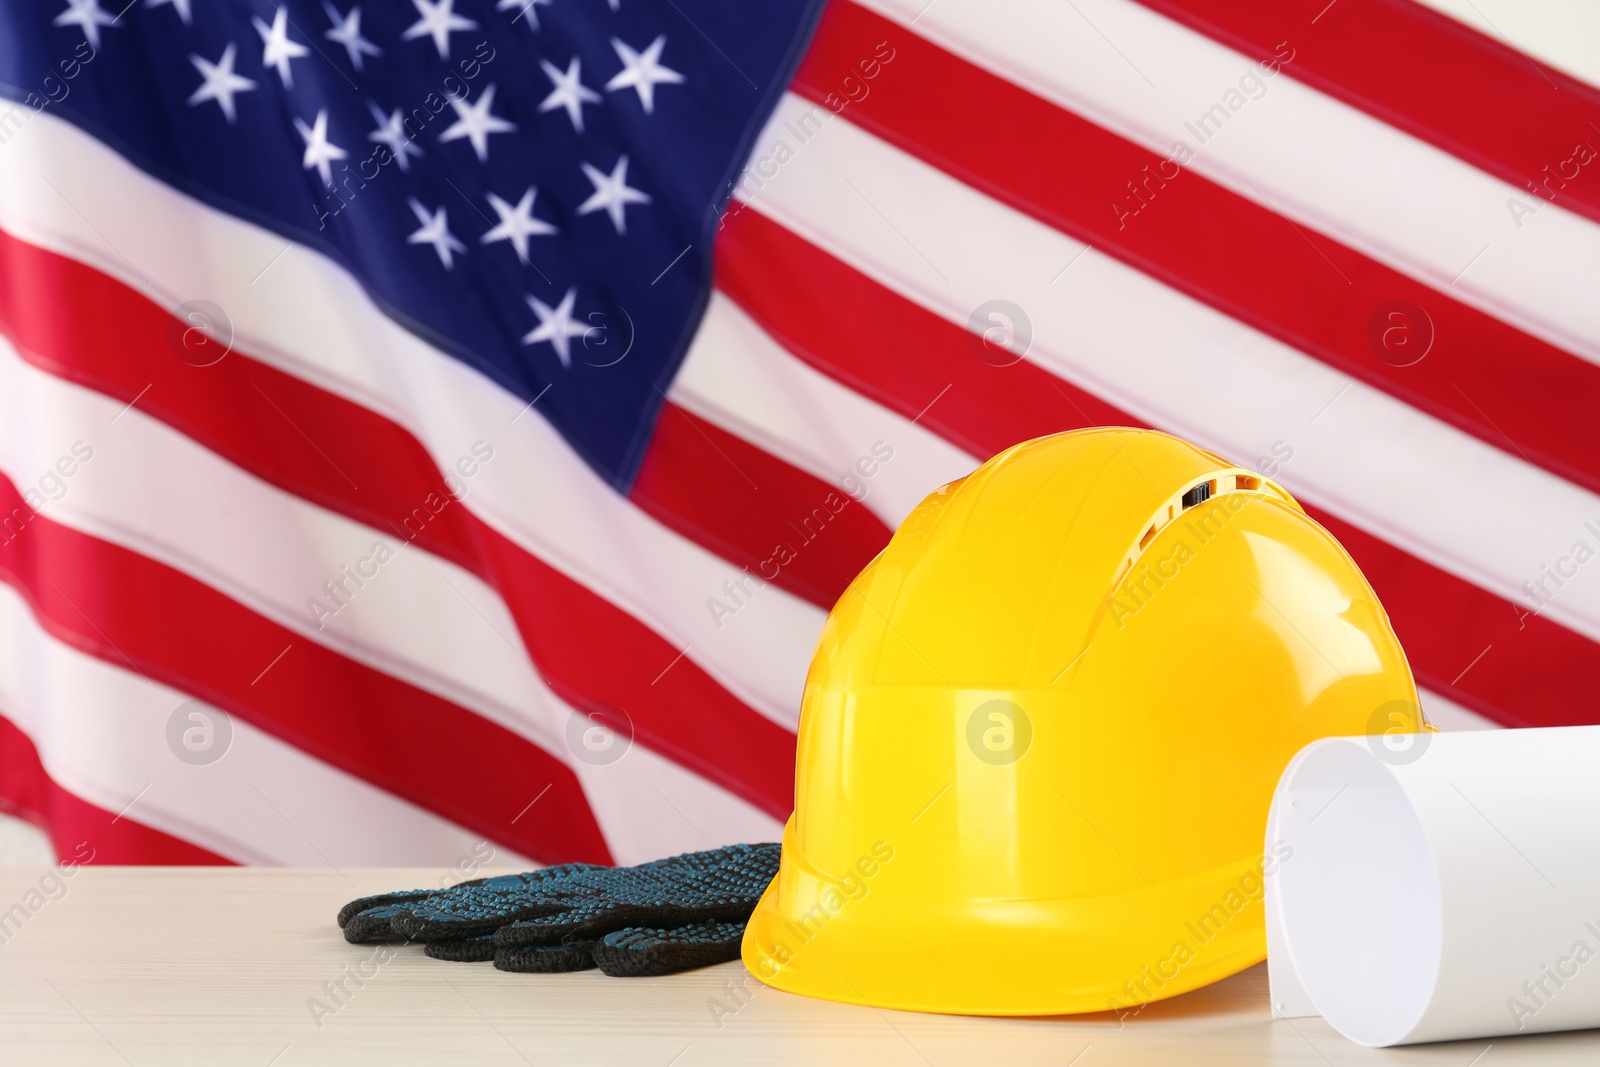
(636,953)
(457,917)
(526,933)
(545,959)
(373,924)
(376,924)
(372,903)
(468,911)
(467,950)
(720,885)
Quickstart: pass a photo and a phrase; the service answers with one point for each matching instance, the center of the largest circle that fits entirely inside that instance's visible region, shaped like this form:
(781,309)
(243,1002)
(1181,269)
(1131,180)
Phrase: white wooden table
(164,966)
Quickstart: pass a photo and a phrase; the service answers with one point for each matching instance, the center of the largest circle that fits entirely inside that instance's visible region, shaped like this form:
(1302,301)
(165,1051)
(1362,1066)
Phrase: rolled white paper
(1438,886)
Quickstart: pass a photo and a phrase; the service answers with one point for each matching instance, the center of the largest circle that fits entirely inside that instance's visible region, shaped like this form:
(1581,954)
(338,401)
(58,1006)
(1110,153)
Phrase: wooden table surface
(163,966)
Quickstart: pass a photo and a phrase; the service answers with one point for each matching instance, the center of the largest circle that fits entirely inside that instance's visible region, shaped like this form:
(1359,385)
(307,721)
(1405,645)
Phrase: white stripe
(62,189)
(101,732)
(650,807)
(1447,715)
(1403,475)
(154,491)
(1563,33)
(738,377)
(23,844)
(1324,164)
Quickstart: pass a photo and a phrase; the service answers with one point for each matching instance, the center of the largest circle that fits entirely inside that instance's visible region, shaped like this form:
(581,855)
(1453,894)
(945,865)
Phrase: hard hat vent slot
(1199,494)
(1220,483)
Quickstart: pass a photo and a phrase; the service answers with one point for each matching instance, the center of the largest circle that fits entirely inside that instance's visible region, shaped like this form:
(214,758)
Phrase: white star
(569,92)
(88,16)
(612,193)
(555,326)
(643,71)
(347,31)
(320,152)
(517,224)
(438,21)
(391,131)
(475,123)
(181,6)
(219,82)
(524,9)
(277,49)
(435,231)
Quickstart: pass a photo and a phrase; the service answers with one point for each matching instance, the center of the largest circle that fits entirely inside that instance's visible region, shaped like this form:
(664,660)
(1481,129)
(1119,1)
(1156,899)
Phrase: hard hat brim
(811,936)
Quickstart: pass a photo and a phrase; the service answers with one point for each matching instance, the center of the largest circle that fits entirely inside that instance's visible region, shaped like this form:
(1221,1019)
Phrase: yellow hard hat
(1042,729)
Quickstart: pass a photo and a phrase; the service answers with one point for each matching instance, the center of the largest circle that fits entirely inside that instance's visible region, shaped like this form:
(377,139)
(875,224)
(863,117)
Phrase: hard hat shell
(1041,732)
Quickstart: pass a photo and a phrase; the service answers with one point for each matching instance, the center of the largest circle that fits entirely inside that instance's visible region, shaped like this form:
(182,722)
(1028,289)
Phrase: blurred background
(433,432)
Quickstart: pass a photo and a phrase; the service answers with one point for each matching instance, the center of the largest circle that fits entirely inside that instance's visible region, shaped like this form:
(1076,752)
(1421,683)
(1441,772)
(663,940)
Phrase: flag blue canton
(531,186)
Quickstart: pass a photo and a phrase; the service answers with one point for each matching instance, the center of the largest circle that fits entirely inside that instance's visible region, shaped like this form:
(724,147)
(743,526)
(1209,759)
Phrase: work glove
(656,918)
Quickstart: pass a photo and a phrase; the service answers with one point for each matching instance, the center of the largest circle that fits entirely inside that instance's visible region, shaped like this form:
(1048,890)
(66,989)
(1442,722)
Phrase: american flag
(435,430)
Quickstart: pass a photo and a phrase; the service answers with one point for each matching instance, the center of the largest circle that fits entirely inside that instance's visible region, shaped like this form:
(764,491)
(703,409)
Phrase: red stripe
(888,348)
(79,324)
(718,489)
(1489,655)
(141,615)
(1247,261)
(1440,81)
(609,660)
(81,832)
(877,342)
(84,326)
